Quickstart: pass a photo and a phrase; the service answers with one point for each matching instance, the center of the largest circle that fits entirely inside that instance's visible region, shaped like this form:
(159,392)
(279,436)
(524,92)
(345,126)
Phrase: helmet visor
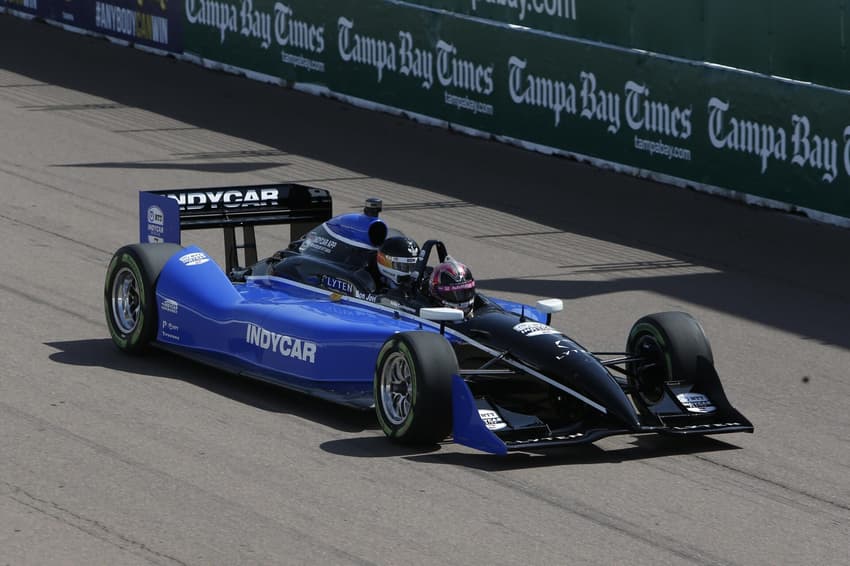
(456,293)
(396,263)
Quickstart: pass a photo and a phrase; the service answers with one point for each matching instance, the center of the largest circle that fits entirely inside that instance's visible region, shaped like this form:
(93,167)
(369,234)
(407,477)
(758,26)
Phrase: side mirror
(441,314)
(549,306)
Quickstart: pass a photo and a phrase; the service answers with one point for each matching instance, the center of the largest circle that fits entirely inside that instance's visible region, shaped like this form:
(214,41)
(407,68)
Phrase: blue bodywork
(285,332)
(273,329)
(294,335)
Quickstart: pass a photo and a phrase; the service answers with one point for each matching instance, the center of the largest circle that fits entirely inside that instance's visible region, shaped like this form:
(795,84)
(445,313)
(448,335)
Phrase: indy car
(312,317)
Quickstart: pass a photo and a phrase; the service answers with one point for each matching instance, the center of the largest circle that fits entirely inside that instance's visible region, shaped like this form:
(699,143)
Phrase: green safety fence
(788,38)
(690,123)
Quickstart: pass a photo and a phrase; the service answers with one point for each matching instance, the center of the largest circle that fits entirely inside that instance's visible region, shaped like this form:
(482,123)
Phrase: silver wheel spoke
(126,303)
(398,401)
(395,388)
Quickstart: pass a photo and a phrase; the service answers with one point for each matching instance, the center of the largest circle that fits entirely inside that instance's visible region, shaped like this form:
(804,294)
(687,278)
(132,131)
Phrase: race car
(317,317)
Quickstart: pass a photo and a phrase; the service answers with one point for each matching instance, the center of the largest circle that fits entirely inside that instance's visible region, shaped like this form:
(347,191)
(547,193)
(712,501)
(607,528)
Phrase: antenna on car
(373,207)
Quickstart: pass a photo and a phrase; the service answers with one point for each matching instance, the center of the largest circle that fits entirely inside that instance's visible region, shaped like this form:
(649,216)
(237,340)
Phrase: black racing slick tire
(413,387)
(129,295)
(674,348)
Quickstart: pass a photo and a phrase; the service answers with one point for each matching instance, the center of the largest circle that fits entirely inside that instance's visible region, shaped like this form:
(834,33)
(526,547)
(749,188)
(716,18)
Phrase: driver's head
(397,258)
(452,285)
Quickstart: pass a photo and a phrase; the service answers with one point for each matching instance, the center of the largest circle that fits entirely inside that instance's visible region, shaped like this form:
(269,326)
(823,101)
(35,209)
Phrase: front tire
(413,387)
(674,347)
(129,295)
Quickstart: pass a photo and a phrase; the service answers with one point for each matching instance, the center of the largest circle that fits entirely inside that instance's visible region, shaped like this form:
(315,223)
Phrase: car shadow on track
(229,167)
(643,447)
(101,352)
(377,446)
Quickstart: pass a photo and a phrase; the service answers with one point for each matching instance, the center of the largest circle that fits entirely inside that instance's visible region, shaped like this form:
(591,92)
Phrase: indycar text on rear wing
(164,214)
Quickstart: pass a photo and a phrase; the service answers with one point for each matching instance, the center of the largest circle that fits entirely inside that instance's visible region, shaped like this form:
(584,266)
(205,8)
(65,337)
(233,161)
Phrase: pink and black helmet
(452,285)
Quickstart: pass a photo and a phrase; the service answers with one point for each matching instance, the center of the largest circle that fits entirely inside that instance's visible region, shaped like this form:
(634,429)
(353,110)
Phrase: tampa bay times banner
(709,126)
(786,38)
(152,23)
(702,125)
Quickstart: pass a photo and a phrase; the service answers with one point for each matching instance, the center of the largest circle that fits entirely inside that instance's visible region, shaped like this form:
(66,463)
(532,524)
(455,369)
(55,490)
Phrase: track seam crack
(653,539)
(91,527)
(774,483)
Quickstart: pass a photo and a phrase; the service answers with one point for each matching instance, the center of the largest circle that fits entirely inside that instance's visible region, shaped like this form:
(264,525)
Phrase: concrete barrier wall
(663,113)
(787,38)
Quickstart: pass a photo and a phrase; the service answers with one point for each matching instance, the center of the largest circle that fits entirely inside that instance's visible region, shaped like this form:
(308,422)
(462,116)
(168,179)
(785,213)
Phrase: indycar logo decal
(281,343)
(696,402)
(194,258)
(491,419)
(156,225)
(169,305)
(230,198)
(155,215)
(534,329)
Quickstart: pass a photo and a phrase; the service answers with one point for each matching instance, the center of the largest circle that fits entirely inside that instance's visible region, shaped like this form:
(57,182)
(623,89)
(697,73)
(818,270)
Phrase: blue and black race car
(318,317)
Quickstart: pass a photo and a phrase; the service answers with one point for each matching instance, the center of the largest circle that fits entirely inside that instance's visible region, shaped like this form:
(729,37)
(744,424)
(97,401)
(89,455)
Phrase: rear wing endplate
(163,215)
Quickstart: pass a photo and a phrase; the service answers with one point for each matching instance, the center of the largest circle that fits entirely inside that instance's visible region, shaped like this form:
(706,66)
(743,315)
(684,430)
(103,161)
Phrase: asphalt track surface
(106,459)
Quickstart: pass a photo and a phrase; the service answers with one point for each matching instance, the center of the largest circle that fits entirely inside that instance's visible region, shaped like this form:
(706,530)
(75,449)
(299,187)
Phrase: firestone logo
(194,258)
(491,419)
(534,329)
(169,306)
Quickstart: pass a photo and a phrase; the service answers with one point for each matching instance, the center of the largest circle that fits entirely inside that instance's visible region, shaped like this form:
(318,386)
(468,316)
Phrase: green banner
(286,40)
(785,38)
(699,123)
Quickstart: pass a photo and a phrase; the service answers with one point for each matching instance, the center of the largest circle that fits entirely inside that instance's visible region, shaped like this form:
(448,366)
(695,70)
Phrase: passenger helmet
(452,285)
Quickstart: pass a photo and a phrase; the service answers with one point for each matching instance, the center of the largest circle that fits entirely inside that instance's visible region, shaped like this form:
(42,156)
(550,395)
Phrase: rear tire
(675,347)
(129,294)
(413,387)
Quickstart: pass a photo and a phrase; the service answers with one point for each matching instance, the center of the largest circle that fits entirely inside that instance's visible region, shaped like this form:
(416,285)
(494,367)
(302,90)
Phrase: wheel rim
(396,388)
(651,375)
(125,301)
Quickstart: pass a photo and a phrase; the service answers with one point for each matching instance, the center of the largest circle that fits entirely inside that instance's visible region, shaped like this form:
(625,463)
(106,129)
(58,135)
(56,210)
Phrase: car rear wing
(163,215)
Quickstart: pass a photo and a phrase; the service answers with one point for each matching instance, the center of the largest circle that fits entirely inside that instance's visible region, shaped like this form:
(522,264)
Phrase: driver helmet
(452,285)
(397,258)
